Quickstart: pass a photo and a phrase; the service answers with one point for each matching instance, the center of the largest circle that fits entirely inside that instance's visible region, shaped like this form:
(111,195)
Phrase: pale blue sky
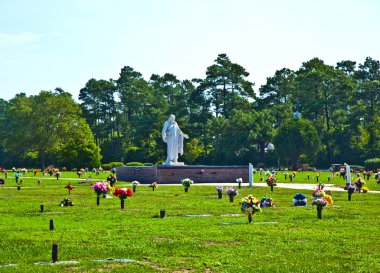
(46,44)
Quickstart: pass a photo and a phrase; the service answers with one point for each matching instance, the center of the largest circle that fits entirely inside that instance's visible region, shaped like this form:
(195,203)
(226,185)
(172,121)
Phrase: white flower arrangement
(239,180)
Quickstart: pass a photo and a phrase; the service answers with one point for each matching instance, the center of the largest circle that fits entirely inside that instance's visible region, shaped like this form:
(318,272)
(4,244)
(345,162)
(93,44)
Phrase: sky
(46,44)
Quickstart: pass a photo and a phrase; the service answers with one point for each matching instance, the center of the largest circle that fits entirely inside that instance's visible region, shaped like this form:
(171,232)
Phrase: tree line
(227,121)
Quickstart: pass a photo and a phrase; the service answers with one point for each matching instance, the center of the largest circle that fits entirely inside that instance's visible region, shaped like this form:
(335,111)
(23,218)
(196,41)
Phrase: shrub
(372,164)
(111,165)
(134,164)
(357,167)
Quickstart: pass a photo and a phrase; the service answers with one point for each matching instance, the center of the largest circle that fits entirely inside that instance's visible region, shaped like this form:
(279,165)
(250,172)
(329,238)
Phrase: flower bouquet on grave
(342,172)
(271,181)
(69,187)
(19,183)
(317,175)
(292,176)
(111,179)
(66,203)
(231,192)
(299,200)
(50,171)
(153,185)
(35,171)
(266,202)
(134,185)
(286,175)
(17,176)
(219,189)
(122,194)
(377,177)
(57,175)
(250,205)
(318,192)
(328,199)
(367,174)
(239,181)
(350,189)
(99,188)
(320,202)
(359,183)
(365,190)
(187,183)
(110,189)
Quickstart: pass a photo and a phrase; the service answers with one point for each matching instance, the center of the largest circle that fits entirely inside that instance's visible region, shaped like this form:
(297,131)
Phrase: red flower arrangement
(69,187)
(122,193)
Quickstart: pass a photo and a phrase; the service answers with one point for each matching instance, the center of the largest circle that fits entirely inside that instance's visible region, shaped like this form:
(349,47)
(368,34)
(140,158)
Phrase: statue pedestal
(174,164)
(173,174)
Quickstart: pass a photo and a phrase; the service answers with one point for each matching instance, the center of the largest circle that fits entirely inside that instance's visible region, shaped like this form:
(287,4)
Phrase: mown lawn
(281,239)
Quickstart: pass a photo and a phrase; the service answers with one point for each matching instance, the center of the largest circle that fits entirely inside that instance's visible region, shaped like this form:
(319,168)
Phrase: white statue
(173,137)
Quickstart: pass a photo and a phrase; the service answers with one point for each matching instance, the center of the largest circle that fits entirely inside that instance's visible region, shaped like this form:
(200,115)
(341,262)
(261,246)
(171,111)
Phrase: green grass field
(280,239)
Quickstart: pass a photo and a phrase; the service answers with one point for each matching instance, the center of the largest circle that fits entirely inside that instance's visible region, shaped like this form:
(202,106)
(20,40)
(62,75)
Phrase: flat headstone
(8,265)
(197,215)
(56,263)
(51,212)
(234,223)
(231,215)
(264,223)
(110,260)
(244,223)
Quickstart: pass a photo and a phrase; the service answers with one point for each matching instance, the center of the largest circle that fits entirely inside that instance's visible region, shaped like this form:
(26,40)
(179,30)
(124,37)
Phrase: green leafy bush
(134,164)
(357,167)
(111,165)
(372,164)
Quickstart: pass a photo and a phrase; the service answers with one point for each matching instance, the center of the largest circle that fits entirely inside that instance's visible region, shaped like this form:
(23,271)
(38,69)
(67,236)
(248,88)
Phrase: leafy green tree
(322,90)
(367,104)
(99,107)
(348,67)
(47,124)
(296,137)
(278,94)
(241,138)
(193,150)
(225,82)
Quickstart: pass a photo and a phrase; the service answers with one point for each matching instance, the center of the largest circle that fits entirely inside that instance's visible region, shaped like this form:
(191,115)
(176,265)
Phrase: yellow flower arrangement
(365,190)
(328,199)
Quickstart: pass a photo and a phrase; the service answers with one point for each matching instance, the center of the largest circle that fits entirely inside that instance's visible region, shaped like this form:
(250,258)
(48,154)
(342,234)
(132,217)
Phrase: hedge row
(372,164)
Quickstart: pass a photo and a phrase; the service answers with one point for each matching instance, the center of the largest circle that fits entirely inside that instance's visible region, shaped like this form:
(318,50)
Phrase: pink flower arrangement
(100,188)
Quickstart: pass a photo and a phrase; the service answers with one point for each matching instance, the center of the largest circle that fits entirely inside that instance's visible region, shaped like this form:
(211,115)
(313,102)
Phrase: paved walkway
(297,186)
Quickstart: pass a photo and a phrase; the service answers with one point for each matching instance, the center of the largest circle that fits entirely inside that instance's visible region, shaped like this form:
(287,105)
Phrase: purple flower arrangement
(231,192)
(319,202)
(266,202)
(219,188)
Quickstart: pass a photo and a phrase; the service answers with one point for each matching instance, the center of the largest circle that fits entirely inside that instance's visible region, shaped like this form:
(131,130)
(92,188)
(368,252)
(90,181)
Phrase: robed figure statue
(173,137)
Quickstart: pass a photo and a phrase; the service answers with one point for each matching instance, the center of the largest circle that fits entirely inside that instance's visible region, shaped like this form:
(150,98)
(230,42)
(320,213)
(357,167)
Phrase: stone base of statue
(173,174)
(171,163)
